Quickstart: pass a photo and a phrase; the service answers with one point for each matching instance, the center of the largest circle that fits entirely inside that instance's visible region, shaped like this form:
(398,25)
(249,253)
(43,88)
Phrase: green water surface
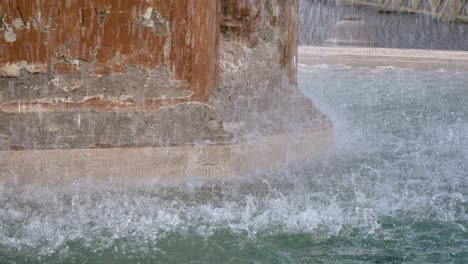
(395,191)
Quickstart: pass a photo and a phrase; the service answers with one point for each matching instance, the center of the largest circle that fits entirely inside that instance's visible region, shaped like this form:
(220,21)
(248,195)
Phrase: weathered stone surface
(87,74)
(257,95)
(183,124)
(136,84)
(86,38)
(264,21)
(147,73)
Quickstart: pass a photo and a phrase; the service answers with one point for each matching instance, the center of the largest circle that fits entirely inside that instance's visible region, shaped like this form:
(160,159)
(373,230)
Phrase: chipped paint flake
(18,23)
(9,36)
(148,13)
(12,69)
(36,68)
(153,19)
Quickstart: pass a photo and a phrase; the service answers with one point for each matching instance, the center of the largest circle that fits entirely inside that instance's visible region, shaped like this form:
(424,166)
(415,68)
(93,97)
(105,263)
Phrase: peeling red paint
(102,37)
(77,26)
(78,48)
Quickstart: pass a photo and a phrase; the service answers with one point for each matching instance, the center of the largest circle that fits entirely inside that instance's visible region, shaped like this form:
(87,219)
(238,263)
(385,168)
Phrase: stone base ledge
(372,57)
(58,167)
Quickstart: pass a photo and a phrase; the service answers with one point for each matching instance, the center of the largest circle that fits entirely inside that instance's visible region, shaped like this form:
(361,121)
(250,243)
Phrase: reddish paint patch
(103,37)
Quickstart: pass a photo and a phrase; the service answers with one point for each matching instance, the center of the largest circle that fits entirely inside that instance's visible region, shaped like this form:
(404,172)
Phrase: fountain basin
(371,57)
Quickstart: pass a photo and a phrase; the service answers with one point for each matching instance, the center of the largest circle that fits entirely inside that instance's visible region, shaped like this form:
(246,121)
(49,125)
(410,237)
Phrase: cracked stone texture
(136,84)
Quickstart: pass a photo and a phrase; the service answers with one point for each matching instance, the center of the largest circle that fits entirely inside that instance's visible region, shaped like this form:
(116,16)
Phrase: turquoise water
(395,191)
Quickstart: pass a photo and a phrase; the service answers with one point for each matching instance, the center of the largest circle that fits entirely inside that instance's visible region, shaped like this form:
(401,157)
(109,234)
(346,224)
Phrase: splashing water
(395,191)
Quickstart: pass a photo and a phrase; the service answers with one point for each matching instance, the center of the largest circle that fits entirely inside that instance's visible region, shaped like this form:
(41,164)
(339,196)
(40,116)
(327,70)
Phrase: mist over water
(394,191)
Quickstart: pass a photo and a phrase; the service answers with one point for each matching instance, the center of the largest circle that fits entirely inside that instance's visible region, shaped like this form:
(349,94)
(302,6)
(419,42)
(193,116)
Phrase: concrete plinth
(58,167)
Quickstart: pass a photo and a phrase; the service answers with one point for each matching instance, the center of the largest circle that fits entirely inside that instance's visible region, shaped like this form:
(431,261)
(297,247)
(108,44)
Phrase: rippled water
(395,191)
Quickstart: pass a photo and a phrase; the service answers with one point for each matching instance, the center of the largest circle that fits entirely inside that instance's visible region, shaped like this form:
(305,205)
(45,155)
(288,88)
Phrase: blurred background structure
(418,24)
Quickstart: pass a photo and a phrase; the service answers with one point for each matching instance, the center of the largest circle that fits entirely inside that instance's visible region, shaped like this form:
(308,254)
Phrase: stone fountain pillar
(99,78)
(104,74)
(258,94)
